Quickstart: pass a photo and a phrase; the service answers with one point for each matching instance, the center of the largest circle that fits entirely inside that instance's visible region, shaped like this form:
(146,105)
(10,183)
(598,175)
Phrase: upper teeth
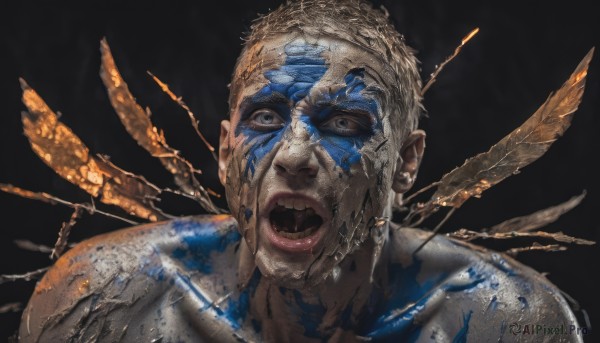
(296,204)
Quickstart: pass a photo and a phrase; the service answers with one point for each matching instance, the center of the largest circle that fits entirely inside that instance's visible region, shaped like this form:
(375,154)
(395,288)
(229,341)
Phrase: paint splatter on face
(311,153)
(340,121)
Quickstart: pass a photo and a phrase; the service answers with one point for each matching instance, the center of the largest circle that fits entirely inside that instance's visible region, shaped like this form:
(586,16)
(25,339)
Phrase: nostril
(279,168)
(296,165)
(312,172)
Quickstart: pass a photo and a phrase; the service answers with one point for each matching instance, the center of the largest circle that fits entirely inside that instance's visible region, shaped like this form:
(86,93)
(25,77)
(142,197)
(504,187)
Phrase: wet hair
(357,22)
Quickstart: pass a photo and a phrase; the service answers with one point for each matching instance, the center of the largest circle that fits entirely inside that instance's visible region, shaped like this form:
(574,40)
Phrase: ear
(224,151)
(409,161)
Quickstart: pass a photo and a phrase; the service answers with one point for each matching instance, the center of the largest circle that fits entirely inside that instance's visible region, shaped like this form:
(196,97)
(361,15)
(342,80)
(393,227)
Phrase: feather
(138,125)
(518,149)
(535,246)
(468,235)
(537,219)
(67,155)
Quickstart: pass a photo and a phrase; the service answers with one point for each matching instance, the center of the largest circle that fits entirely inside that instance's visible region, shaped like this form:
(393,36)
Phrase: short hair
(357,22)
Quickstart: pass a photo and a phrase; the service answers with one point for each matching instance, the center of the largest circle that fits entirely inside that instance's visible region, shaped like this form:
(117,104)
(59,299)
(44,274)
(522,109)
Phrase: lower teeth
(296,235)
(294,224)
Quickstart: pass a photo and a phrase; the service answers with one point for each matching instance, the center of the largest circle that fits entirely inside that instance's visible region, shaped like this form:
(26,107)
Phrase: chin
(294,274)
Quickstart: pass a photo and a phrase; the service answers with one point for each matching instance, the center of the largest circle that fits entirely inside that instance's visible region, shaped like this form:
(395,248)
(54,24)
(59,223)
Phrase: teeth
(293,204)
(299,205)
(296,235)
(287,203)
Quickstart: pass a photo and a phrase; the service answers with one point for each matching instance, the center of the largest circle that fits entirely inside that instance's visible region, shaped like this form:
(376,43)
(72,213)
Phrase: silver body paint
(227,279)
(352,199)
(126,286)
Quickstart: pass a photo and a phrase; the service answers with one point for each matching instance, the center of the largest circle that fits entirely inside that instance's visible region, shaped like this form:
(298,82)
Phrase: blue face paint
(302,69)
(345,150)
(292,82)
(247,214)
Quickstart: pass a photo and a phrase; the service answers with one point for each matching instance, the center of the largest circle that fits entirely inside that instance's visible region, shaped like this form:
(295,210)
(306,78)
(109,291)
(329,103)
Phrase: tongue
(300,217)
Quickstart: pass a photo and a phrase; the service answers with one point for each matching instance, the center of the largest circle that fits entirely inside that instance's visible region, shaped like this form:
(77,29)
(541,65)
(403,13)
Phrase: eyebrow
(257,100)
(271,97)
(360,107)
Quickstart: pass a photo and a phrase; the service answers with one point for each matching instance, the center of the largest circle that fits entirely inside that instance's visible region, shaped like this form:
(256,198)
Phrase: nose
(297,157)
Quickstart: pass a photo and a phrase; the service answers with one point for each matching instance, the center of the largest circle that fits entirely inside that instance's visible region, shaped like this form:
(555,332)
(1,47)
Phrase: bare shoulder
(100,286)
(466,291)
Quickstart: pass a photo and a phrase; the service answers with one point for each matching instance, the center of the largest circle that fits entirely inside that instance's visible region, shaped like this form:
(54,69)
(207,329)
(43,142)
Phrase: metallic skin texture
(321,139)
(176,281)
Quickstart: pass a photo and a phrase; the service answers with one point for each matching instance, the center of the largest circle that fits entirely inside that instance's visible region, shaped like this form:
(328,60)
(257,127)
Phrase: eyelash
(362,125)
(262,126)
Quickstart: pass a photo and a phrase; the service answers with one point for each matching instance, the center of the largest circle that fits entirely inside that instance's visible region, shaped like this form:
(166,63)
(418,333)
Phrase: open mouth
(294,218)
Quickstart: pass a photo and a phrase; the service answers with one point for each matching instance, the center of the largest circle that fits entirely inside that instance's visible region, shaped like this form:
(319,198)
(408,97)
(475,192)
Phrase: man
(322,136)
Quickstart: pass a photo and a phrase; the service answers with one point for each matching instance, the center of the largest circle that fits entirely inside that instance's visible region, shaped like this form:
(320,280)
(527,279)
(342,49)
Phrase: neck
(329,309)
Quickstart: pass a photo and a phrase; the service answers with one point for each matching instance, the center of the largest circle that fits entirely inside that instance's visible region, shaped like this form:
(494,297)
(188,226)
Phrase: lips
(295,222)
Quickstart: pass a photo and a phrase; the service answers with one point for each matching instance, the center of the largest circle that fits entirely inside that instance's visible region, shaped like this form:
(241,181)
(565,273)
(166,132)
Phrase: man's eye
(345,125)
(265,119)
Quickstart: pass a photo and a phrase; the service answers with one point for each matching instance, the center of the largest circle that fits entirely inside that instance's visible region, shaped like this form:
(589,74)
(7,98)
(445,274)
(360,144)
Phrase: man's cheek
(241,203)
(245,189)
(239,157)
(371,179)
(254,148)
(354,193)
(236,183)
(233,186)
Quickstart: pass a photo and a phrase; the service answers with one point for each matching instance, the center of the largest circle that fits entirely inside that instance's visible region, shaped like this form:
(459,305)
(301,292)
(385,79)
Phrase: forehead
(336,57)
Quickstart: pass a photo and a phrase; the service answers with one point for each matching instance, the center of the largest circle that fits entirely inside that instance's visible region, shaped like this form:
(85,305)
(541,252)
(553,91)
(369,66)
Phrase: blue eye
(265,119)
(346,125)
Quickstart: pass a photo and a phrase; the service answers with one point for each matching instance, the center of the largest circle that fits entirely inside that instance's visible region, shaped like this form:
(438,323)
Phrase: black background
(522,53)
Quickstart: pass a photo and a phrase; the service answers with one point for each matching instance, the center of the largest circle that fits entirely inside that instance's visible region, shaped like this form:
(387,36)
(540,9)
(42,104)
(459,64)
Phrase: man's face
(309,154)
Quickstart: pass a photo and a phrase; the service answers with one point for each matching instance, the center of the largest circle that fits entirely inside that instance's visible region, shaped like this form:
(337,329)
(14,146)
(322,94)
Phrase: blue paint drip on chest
(303,68)
(199,241)
(228,316)
(461,336)
(310,314)
(237,309)
(392,325)
(405,290)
